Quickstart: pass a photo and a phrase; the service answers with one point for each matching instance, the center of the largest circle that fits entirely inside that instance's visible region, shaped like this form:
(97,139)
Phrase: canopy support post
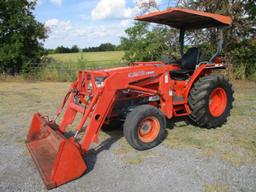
(181,41)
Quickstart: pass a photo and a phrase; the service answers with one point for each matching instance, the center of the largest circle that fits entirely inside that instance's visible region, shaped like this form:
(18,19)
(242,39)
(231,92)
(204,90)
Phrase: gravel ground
(112,165)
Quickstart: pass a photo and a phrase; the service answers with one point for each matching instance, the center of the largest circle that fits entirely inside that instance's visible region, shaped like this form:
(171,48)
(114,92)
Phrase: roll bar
(219,44)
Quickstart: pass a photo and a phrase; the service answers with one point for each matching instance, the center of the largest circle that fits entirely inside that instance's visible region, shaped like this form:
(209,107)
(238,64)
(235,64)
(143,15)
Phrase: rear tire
(144,127)
(211,100)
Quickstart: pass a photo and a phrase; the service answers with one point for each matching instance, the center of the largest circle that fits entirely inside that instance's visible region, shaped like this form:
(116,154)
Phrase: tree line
(76,49)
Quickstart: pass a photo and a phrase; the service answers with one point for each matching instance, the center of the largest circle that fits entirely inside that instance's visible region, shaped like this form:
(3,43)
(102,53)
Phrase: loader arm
(103,96)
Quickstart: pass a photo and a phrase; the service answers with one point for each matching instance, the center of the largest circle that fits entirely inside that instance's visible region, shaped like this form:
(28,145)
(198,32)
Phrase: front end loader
(145,94)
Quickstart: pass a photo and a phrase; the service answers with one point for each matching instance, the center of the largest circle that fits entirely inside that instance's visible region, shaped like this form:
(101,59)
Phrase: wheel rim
(218,102)
(149,129)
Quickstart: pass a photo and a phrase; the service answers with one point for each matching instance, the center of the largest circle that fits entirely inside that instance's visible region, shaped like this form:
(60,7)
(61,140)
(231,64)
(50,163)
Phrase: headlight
(99,81)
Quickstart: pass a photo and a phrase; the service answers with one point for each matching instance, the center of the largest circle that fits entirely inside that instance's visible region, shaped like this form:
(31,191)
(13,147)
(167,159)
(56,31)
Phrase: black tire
(112,125)
(199,100)
(133,122)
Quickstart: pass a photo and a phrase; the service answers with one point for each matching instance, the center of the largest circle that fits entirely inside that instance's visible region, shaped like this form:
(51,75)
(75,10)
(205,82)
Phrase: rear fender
(202,70)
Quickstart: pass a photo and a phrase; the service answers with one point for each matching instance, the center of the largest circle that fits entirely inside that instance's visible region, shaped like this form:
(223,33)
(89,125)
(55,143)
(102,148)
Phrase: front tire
(144,127)
(211,100)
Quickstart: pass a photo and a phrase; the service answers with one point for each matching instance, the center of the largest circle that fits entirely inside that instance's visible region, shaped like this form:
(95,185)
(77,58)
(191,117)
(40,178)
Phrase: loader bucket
(58,159)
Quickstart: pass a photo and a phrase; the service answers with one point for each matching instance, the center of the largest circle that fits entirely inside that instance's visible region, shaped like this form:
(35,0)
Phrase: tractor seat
(188,64)
(182,74)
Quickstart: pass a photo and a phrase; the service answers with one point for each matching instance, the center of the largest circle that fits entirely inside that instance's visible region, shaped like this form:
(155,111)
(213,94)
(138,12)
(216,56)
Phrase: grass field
(91,56)
(63,67)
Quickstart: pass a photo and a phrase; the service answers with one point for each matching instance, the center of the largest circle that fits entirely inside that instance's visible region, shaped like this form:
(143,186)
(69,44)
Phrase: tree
(239,41)
(143,44)
(102,47)
(62,49)
(107,47)
(20,36)
(74,49)
(242,12)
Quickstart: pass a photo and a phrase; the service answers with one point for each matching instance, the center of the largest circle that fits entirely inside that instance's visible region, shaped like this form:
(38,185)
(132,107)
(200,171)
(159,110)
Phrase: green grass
(90,56)
(64,67)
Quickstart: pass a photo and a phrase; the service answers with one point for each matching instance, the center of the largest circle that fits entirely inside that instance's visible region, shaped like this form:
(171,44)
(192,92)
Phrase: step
(178,100)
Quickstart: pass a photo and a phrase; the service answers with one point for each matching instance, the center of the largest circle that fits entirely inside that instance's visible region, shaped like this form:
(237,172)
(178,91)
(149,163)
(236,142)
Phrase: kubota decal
(140,73)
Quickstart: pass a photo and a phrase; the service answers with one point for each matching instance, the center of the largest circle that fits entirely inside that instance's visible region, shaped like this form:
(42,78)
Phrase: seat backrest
(191,58)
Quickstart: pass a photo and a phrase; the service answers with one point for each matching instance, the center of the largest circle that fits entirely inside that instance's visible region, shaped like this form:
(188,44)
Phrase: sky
(88,23)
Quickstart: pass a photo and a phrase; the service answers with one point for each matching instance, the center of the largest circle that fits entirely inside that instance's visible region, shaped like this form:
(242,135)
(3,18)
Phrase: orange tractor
(145,94)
